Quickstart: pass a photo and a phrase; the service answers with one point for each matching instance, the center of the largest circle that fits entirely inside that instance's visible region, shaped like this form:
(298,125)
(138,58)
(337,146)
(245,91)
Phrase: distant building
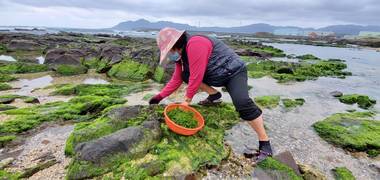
(314,34)
(369,34)
(288,32)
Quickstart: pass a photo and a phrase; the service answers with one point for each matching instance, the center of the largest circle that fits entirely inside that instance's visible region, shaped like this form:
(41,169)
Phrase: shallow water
(40,59)
(6,58)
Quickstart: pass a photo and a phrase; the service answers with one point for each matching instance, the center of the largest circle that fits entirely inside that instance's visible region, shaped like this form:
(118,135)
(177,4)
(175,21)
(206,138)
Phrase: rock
(248,52)
(287,158)
(112,54)
(124,113)
(5,162)
(7,100)
(26,45)
(4,107)
(375,166)
(261,174)
(336,93)
(31,100)
(62,56)
(310,173)
(70,70)
(285,70)
(134,141)
(40,166)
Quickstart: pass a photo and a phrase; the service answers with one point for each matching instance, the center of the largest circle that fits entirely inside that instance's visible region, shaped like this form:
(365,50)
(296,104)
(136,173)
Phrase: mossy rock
(4,107)
(342,173)
(5,139)
(277,169)
(111,90)
(292,103)
(175,155)
(3,48)
(70,70)
(9,98)
(13,68)
(363,101)
(268,101)
(292,71)
(82,108)
(5,86)
(308,57)
(9,175)
(352,131)
(91,63)
(130,70)
(6,78)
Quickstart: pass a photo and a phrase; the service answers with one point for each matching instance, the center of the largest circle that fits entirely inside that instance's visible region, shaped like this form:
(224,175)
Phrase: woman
(203,62)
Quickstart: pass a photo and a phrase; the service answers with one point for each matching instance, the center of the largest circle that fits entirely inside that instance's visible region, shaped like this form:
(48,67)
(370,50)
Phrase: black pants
(237,87)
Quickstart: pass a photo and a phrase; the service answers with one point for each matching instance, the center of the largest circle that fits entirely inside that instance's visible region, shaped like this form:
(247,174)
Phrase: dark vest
(223,63)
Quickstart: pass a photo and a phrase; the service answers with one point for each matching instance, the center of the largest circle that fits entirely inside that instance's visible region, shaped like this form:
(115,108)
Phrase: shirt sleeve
(198,50)
(174,83)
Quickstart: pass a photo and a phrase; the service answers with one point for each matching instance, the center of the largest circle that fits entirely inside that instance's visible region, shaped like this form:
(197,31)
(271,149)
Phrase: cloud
(106,13)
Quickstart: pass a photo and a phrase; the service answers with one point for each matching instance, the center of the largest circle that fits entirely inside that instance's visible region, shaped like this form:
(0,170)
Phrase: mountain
(143,24)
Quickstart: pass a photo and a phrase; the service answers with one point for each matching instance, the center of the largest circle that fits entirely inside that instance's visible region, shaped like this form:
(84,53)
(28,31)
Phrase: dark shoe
(207,102)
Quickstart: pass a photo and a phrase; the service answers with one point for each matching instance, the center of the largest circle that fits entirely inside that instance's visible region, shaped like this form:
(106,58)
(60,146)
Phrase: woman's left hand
(186,102)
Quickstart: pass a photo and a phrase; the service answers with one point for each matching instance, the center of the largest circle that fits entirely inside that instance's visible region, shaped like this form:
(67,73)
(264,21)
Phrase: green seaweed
(5,139)
(112,90)
(91,63)
(81,108)
(159,74)
(291,103)
(268,101)
(175,154)
(271,165)
(351,131)
(5,86)
(130,70)
(18,67)
(296,71)
(70,70)
(363,101)
(183,118)
(342,173)
(6,78)
(4,107)
(308,57)
(5,175)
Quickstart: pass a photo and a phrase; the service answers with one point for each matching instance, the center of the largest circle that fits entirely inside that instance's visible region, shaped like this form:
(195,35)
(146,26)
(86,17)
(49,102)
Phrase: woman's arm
(174,83)
(198,50)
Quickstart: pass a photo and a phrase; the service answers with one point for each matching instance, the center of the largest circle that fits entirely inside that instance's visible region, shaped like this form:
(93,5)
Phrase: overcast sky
(226,13)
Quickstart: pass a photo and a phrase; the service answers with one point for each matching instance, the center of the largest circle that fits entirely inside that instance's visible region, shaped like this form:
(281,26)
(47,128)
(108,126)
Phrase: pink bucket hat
(166,39)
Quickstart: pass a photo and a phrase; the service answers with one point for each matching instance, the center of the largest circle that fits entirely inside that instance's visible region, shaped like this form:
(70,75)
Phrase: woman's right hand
(155,99)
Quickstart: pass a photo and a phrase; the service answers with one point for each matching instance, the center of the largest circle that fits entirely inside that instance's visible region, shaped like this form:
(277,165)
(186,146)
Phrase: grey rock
(124,113)
(62,56)
(131,141)
(287,158)
(26,45)
(5,162)
(336,93)
(112,54)
(375,166)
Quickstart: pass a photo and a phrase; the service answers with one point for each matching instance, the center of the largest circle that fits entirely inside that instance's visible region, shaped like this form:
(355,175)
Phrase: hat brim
(164,53)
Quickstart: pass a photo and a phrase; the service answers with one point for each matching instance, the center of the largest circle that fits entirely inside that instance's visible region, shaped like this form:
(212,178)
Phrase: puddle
(7,58)
(27,86)
(40,59)
(95,81)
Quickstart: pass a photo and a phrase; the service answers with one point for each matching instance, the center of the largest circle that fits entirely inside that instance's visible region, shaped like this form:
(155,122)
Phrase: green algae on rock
(363,101)
(8,98)
(173,155)
(5,86)
(13,68)
(291,103)
(183,118)
(159,74)
(291,71)
(308,57)
(70,70)
(342,173)
(111,90)
(130,70)
(352,131)
(4,107)
(82,108)
(278,169)
(6,78)
(267,101)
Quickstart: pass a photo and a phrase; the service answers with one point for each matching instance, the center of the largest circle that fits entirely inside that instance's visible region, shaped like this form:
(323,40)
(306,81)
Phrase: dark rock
(112,54)
(124,113)
(261,174)
(248,52)
(287,158)
(26,45)
(336,93)
(375,166)
(285,70)
(132,141)
(7,100)
(62,56)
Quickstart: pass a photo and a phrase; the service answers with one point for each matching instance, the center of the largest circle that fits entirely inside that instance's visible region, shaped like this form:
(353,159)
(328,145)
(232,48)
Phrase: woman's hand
(186,102)
(155,99)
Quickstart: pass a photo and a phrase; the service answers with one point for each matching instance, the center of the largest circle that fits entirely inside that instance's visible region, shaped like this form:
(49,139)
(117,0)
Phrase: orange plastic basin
(180,129)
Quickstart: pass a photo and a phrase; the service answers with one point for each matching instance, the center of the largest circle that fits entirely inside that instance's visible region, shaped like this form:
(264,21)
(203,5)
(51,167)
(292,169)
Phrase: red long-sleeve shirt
(198,51)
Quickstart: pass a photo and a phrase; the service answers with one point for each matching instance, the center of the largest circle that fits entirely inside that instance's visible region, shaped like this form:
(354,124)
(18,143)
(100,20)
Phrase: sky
(223,13)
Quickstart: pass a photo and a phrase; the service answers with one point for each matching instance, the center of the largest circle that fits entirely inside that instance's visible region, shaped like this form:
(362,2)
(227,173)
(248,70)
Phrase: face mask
(174,56)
